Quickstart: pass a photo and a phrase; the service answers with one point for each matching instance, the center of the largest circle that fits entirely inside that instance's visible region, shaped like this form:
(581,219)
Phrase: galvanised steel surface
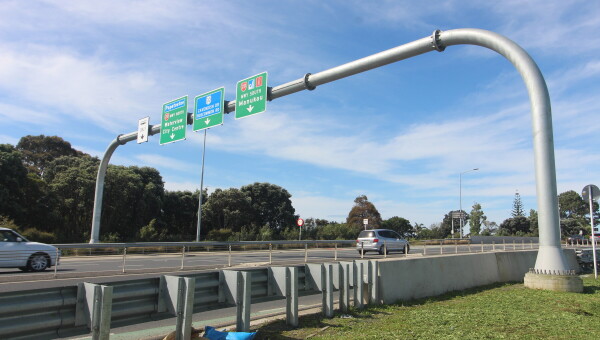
(550,256)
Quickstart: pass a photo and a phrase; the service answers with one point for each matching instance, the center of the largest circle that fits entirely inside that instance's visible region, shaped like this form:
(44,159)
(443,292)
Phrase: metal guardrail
(61,312)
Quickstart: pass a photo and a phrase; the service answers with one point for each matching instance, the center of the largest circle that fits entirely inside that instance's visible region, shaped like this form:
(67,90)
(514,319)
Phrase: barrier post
(124,256)
(305,252)
(182,256)
(384,249)
(229,257)
(291,296)
(327,292)
(270,253)
(335,253)
(56,263)
(344,287)
(243,301)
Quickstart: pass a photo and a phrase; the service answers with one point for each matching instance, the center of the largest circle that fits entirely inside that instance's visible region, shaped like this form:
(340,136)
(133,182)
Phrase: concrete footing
(560,283)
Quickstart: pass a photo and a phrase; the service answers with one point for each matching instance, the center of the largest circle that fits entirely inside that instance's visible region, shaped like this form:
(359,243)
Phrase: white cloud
(165,162)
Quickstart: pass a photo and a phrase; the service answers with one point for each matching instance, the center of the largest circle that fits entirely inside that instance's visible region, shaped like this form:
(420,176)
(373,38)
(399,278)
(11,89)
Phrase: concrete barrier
(413,278)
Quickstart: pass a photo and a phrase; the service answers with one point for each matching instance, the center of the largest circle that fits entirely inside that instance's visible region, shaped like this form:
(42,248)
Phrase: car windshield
(366,233)
(10,236)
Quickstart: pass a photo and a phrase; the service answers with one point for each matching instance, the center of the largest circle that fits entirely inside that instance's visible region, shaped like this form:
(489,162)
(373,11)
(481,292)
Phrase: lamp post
(460,199)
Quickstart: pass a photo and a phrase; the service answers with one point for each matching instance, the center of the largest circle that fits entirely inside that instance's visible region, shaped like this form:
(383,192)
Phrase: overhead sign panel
(173,121)
(251,96)
(208,109)
(143,130)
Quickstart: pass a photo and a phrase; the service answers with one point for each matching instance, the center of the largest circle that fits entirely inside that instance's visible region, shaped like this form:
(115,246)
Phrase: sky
(401,134)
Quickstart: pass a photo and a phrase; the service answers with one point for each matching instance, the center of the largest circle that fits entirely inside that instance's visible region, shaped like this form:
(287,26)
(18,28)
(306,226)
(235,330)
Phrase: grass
(501,311)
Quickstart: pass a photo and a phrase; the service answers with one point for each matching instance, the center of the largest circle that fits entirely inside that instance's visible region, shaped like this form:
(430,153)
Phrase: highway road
(97,269)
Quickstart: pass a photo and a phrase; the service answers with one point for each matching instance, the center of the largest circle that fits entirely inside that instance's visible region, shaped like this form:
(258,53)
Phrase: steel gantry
(550,257)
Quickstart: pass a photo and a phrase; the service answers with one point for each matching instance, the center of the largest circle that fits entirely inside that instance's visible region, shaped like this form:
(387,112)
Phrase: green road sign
(208,109)
(251,96)
(173,121)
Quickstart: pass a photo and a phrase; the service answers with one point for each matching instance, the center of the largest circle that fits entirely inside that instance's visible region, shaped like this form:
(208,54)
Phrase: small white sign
(143,130)
(365,221)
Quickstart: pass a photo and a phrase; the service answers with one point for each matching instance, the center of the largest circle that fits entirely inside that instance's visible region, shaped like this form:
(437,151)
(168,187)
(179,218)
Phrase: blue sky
(400,134)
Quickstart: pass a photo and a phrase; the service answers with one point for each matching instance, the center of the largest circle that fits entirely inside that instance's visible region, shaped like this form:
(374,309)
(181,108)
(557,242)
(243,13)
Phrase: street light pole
(460,199)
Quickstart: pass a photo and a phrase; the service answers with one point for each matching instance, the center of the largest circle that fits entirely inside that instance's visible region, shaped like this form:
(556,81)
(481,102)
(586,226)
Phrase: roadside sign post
(173,121)
(143,130)
(365,222)
(300,223)
(251,96)
(208,112)
(592,193)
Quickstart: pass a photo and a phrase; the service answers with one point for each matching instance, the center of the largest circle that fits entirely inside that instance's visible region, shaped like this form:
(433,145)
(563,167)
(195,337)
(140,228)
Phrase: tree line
(47,193)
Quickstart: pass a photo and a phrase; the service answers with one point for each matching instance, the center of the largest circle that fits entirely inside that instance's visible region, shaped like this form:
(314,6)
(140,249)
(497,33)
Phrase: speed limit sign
(300,222)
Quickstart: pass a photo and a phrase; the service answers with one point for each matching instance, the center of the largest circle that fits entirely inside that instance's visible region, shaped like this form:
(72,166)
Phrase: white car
(17,252)
(380,240)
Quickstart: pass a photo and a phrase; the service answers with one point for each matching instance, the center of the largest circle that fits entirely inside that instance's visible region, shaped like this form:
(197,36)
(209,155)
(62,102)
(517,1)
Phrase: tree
(490,228)
(574,213)
(227,209)
(517,210)
(72,180)
(400,225)
(533,222)
(271,206)
(448,222)
(39,151)
(518,226)
(13,178)
(363,209)
(476,219)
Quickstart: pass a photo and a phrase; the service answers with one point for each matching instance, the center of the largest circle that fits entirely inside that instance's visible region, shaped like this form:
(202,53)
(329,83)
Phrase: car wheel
(38,262)
(406,249)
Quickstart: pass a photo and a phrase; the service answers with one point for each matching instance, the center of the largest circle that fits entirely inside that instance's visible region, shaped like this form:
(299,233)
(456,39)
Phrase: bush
(220,235)
(35,235)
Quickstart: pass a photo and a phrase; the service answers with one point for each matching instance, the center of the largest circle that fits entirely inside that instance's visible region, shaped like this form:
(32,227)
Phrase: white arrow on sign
(250,108)
(172,135)
(207,121)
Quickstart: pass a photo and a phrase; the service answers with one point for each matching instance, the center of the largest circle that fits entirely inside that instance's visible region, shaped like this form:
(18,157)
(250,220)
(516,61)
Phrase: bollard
(494,245)
(124,255)
(523,243)
(441,248)
(425,248)
(406,250)
(482,246)
(514,245)
(504,243)
(182,256)
(469,246)
(229,257)
(456,247)
(270,253)
(531,244)
(362,250)
(305,252)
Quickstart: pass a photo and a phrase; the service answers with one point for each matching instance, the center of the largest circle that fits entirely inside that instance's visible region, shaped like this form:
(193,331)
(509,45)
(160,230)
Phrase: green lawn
(502,311)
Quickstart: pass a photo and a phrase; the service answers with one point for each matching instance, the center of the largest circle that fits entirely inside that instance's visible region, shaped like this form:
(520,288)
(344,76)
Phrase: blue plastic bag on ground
(213,334)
